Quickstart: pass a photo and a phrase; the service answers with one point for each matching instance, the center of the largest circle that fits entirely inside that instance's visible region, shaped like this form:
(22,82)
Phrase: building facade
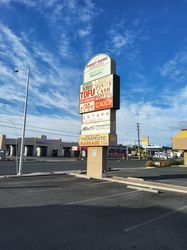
(35,146)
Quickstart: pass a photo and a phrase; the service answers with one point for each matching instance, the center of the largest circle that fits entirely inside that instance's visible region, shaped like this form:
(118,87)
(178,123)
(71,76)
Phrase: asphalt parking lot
(65,212)
(170,175)
(133,168)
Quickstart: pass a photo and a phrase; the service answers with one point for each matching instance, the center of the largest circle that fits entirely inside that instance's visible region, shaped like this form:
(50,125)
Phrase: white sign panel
(74,148)
(99,66)
(96,128)
(97,116)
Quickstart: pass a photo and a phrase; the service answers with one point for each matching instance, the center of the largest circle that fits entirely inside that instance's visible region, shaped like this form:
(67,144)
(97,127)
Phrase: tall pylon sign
(99,100)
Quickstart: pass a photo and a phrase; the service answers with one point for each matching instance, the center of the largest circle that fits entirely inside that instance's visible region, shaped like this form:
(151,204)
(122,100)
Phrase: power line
(31,130)
(43,128)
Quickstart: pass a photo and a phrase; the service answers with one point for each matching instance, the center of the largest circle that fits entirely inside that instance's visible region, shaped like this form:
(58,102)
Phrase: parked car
(2,155)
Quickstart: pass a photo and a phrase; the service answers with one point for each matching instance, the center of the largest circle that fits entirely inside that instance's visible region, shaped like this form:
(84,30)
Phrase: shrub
(149,163)
(180,161)
(172,163)
(164,164)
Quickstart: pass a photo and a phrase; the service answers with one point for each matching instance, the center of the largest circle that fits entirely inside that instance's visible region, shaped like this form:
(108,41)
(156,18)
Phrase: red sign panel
(99,94)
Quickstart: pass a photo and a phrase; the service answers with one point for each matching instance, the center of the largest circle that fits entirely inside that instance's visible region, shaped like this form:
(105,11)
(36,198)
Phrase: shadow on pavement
(165,177)
(91,227)
(23,187)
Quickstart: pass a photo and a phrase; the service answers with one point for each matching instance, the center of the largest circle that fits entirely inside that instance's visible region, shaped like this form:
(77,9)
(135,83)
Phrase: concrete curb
(80,176)
(138,182)
(148,184)
(41,174)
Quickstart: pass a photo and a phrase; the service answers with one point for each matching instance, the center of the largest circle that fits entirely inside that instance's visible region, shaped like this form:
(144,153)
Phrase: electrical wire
(31,130)
(42,128)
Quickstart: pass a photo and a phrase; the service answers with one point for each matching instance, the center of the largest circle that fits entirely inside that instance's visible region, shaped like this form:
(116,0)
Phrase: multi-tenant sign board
(100,94)
(99,100)
(99,66)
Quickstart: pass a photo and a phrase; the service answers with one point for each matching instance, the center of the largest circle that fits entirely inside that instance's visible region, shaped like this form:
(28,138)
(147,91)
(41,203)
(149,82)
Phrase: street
(9,167)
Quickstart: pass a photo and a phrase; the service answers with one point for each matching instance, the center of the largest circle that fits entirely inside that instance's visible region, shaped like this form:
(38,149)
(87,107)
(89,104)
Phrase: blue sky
(56,38)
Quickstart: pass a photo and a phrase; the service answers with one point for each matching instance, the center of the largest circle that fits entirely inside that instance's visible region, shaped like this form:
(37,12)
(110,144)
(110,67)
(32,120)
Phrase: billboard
(99,66)
(98,140)
(100,94)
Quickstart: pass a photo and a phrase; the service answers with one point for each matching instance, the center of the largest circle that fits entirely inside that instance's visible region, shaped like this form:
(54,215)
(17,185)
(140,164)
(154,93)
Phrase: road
(64,212)
(9,167)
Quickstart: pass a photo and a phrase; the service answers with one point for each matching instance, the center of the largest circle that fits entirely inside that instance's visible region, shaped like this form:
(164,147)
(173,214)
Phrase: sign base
(97,162)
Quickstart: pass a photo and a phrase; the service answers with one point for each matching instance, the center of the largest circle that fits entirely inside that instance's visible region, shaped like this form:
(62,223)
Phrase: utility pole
(127,148)
(138,131)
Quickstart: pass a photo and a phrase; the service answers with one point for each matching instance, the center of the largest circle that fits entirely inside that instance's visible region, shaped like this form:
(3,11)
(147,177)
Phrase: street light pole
(16,141)
(24,123)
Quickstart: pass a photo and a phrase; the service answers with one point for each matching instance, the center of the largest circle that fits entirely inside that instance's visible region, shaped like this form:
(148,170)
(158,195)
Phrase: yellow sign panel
(145,141)
(98,140)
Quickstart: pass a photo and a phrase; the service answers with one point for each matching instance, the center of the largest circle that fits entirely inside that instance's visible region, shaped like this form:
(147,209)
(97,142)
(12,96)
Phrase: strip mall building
(43,147)
(35,146)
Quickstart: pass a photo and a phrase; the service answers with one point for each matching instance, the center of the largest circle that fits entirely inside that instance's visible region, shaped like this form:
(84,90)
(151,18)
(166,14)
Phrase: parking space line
(129,229)
(103,182)
(99,198)
(43,189)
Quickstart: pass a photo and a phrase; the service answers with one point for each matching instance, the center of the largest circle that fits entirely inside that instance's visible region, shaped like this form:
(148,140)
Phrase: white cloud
(122,40)
(59,127)
(14,51)
(84,32)
(4,1)
(3,70)
(55,99)
(69,128)
(69,20)
(88,52)
(175,68)
(51,83)
(123,37)
(88,11)
(155,121)
(64,46)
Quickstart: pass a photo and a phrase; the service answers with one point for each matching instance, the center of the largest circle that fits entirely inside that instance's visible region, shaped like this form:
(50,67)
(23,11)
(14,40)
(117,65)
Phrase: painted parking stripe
(43,189)
(103,182)
(99,198)
(129,229)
